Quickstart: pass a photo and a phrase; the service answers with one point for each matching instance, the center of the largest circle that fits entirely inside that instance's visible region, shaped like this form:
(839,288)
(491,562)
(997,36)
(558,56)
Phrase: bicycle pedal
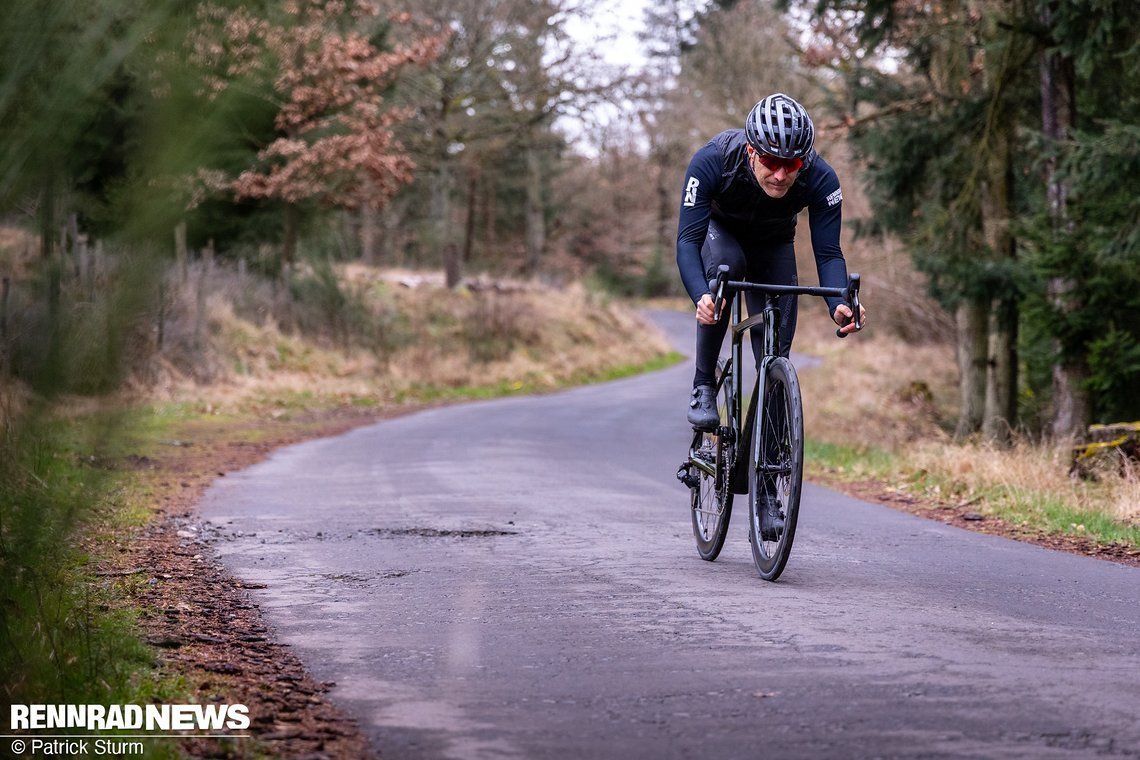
(685,476)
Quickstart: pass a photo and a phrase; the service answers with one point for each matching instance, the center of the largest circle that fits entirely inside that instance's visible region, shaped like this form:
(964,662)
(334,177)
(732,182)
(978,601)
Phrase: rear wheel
(712,496)
(775,469)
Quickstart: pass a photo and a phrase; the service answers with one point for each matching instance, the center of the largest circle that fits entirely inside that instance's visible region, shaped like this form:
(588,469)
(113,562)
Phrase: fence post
(161,310)
(5,287)
(207,264)
(73,237)
(180,250)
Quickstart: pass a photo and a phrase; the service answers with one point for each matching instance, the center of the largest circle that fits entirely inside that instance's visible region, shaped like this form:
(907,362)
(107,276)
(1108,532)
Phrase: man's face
(775,175)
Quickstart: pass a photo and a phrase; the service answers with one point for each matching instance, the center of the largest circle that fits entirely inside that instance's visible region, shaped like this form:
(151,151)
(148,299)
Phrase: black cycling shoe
(702,408)
(771,518)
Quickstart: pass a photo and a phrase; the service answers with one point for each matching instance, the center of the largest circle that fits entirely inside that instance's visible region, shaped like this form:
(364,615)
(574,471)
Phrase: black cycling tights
(755,261)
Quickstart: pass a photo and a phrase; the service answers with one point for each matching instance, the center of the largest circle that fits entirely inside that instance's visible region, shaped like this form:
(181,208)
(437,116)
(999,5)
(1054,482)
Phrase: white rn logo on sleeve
(691,191)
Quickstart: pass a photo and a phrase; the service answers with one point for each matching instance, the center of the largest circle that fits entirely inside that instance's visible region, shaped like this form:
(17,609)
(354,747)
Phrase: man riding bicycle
(742,193)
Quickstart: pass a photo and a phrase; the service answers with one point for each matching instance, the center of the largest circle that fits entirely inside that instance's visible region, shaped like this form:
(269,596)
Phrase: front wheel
(712,496)
(775,469)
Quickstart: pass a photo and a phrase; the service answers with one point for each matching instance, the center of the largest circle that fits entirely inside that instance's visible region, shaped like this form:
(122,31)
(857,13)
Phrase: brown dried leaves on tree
(334,138)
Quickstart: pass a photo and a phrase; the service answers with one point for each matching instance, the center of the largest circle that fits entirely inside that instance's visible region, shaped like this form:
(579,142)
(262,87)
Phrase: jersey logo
(834,198)
(691,191)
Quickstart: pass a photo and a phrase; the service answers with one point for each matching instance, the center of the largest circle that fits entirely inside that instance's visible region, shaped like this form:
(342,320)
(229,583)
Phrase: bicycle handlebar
(849,294)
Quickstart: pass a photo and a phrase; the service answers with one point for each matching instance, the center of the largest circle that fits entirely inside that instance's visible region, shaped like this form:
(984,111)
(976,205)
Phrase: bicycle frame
(769,317)
(771,431)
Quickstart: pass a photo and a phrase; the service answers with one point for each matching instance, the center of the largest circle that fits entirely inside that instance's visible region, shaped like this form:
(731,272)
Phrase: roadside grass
(1077,509)
(67,635)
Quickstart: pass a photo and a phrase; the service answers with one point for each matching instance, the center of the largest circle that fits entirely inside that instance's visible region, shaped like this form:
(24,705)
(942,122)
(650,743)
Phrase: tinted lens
(772,164)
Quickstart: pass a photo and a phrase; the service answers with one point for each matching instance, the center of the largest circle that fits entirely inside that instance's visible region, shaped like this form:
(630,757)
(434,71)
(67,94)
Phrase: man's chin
(776,192)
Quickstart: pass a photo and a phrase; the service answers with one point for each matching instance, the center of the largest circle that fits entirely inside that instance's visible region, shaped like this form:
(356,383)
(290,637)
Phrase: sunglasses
(773,164)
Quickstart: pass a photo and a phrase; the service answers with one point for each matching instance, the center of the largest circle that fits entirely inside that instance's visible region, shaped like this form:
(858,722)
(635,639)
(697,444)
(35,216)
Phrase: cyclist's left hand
(843,314)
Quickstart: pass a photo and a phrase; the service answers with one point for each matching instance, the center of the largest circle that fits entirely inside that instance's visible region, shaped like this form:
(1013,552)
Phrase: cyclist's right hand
(705,310)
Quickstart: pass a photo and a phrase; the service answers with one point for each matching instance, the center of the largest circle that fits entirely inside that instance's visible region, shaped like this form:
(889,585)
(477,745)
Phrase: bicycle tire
(778,443)
(711,499)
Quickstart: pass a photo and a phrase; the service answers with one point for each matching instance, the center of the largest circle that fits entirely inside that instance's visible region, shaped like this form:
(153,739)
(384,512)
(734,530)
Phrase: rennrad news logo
(165,718)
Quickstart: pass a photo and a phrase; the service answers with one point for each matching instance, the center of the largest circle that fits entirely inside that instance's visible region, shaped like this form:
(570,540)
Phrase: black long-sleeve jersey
(720,185)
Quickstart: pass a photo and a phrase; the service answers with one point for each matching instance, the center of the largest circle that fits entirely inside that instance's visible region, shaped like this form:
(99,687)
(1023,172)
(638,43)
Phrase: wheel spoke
(712,497)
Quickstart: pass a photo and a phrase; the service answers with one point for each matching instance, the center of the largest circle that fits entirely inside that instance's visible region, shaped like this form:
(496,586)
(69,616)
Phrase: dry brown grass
(1124,500)
(502,333)
(874,389)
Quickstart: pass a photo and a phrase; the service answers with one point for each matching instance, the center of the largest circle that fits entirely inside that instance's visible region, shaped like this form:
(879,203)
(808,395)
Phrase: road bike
(759,450)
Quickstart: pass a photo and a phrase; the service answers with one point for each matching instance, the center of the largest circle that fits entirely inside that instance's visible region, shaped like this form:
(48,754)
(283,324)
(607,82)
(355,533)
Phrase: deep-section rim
(781,381)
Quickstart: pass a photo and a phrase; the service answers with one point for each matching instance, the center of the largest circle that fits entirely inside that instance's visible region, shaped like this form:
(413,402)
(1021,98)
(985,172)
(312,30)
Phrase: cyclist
(741,195)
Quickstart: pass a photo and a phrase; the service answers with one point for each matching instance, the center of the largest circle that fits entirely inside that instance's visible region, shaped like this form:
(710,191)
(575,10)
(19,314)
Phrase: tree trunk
(1001,372)
(535,210)
(181,255)
(472,209)
(446,250)
(666,200)
(490,214)
(289,238)
(46,214)
(973,345)
(367,219)
(1072,408)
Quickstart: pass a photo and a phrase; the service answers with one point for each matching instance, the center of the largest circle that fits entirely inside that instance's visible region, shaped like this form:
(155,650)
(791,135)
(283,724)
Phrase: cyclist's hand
(705,309)
(842,317)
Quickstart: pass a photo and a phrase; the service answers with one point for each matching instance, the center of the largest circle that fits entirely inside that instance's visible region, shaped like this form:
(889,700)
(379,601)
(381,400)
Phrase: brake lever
(853,302)
(717,287)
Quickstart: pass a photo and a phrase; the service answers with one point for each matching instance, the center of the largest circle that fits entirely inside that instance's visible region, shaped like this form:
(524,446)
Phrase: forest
(158,152)
(994,140)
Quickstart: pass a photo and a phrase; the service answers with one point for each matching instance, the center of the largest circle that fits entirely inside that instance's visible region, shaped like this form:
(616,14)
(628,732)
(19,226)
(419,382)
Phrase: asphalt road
(517,579)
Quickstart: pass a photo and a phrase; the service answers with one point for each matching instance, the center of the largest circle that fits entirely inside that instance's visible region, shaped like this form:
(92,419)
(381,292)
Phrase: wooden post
(5,287)
(73,238)
(180,250)
(161,312)
(82,260)
(203,277)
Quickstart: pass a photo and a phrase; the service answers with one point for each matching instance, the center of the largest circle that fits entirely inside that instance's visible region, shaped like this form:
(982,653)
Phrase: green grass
(849,462)
(1035,510)
(66,635)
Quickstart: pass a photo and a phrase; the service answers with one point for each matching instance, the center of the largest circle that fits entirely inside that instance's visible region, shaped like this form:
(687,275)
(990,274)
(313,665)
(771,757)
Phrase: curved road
(517,579)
